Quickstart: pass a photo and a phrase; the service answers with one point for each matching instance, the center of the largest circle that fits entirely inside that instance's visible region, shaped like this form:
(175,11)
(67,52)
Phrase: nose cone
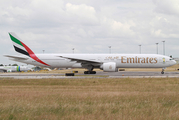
(173,62)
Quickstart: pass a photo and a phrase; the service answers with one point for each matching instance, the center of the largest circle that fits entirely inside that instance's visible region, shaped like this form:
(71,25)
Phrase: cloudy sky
(90,26)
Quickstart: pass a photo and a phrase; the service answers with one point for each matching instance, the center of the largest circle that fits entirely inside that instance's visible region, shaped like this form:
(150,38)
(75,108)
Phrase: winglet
(20,47)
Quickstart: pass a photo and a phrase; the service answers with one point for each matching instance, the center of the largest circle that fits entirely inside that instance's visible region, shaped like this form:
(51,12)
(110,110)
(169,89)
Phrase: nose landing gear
(162,70)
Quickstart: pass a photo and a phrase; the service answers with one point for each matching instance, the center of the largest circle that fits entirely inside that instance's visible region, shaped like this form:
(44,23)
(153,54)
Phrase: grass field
(100,99)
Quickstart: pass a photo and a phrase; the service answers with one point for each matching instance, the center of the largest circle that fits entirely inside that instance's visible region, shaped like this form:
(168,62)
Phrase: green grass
(100,99)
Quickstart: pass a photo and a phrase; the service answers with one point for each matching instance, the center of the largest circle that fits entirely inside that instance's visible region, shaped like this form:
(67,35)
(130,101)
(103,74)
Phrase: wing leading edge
(81,60)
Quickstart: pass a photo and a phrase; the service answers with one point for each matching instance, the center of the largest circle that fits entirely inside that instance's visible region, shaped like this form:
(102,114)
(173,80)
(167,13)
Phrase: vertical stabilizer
(20,47)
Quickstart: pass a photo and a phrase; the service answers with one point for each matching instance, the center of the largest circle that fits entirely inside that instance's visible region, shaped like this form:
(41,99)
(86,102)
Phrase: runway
(99,74)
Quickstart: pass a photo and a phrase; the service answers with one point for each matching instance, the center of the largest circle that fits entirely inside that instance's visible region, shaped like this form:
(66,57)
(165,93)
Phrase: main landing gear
(162,70)
(89,72)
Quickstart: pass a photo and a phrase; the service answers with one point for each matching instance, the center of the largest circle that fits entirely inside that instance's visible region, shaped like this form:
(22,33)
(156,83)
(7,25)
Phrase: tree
(14,65)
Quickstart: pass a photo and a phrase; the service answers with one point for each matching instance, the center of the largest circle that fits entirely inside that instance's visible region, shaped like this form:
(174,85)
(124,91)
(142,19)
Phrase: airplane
(105,62)
(14,68)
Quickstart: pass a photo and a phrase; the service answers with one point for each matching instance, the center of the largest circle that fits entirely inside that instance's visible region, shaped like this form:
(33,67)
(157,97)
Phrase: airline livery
(14,68)
(106,62)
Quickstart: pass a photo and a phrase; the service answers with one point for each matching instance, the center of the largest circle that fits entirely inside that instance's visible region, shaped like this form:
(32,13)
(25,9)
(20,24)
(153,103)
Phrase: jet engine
(109,67)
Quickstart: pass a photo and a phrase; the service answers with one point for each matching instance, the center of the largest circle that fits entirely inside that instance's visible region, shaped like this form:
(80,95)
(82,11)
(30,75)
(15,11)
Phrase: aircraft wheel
(85,72)
(162,72)
(93,72)
(69,74)
(89,72)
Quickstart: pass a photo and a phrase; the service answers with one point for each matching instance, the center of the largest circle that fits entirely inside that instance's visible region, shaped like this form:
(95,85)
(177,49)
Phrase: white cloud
(164,27)
(82,13)
(90,26)
(119,29)
(170,7)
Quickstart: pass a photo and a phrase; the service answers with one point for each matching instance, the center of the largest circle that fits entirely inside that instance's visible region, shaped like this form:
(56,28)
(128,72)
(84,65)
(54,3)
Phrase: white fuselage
(14,68)
(121,60)
(106,62)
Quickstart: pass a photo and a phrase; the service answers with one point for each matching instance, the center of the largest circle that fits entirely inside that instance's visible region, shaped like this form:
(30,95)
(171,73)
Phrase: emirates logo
(110,67)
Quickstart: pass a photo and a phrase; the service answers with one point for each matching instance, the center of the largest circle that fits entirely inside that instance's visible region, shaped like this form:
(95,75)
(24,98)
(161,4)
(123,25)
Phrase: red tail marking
(32,55)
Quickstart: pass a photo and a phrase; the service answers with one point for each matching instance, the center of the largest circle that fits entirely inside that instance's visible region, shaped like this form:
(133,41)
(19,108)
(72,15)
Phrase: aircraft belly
(77,65)
(138,65)
(60,63)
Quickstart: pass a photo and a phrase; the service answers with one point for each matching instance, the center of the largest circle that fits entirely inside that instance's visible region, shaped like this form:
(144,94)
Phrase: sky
(90,26)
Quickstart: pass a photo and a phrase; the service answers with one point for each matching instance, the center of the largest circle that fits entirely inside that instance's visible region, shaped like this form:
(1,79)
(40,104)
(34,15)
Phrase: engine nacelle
(109,67)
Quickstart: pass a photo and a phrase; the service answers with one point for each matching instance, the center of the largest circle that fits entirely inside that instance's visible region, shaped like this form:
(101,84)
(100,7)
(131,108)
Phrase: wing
(16,57)
(82,60)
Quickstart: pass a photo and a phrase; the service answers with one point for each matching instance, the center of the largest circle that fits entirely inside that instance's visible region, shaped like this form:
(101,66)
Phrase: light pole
(163,47)
(157,47)
(140,49)
(43,51)
(110,49)
(73,50)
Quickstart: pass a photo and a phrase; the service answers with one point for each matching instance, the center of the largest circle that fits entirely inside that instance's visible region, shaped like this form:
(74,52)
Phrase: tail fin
(20,47)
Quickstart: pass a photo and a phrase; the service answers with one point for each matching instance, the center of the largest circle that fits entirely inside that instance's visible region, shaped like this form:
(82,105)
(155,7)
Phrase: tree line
(9,65)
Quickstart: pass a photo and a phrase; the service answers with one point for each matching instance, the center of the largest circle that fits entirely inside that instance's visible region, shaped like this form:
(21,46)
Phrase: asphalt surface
(99,74)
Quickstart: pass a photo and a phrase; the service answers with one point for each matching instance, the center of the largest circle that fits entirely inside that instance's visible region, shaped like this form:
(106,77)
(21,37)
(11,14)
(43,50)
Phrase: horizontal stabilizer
(16,57)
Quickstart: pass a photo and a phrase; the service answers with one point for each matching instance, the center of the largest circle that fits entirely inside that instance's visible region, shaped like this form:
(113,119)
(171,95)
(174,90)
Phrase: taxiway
(99,74)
